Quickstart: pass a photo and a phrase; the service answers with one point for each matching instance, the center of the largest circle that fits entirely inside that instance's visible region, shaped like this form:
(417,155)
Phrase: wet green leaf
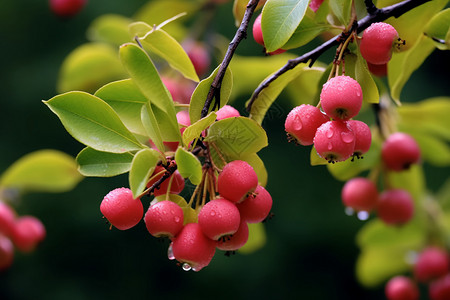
(93,122)
(49,171)
(103,164)
(201,92)
(142,167)
(188,165)
(279,21)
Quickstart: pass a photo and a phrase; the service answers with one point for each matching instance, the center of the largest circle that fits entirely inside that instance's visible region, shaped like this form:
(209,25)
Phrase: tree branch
(374,15)
(241,33)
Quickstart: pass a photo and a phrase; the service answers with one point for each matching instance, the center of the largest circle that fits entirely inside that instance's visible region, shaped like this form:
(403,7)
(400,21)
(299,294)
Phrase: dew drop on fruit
(196,269)
(330,146)
(362,215)
(297,123)
(170,252)
(177,219)
(349,211)
(358,94)
(329,133)
(347,137)
(186,267)
(213,213)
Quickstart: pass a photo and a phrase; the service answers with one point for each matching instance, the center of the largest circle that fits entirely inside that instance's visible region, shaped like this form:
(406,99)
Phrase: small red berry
(28,233)
(395,207)
(176,182)
(7,219)
(399,151)
(378,70)
(180,89)
(302,122)
(164,218)
(341,97)
(334,141)
(192,248)
(66,8)
(360,194)
(236,180)
(258,35)
(227,111)
(377,43)
(432,263)
(237,240)
(363,137)
(199,56)
(315,5)
(440,288)
(121,209)
(256,207)
(219,218)
(6,252)
(401,288)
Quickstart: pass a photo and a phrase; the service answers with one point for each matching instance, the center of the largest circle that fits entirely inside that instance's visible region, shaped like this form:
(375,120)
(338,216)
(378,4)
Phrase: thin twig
(241,33)
(374,15)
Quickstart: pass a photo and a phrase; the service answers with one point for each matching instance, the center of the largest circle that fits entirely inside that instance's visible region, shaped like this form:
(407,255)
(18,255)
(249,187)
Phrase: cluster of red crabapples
(335,136)
(23,233)
(220,223)
(430,268)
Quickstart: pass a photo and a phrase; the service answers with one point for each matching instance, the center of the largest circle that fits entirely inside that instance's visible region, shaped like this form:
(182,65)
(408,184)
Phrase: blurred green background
(310,251)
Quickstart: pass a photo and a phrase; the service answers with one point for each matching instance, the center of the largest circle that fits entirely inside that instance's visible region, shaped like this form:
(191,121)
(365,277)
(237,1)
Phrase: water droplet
(329,133)
(213,213)
(330,146)
(358,94)
(170,252)
(177,219)
(196,269)
(349,211)
(347,137)
(186,267)
(297,123)
(363,215)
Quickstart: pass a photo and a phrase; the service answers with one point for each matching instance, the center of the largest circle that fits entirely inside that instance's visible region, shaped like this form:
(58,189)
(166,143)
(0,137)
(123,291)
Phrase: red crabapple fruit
(236,180)
(192,248)
(227,111)
(199,56)
(219,218)
(164,218)
(7,219)
(121,209)
(341,97)
(28,233)
(256,207)
(432,263)
(315,5)
(237,240)
(302,122)
(440,288)
(378,70)
(176,182)
(180,89)
(334,141)
(66,8)
(360,194)
(377,43)
(401,288)
(363,137)
(399,151)
(395,207)
(258,35)
(6,252)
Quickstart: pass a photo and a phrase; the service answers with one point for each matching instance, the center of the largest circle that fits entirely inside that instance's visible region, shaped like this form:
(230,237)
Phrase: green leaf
(239,7)
(195,130)
(88,67)
(142,167)
(201,92)
(402,65)
(304,89)
(439,27)
(412,180)
(256,238)
(151,126)
(374,266)
(364,78)
(268,95)
(146,77)
(342,10)
(127,101)
(188,165)
(348,169)
(48,171)
(305,32)
(165,46)
(103,164)
(433,149)
(110,28)
(279,21)
(237,137)
(93,122)
(315,159)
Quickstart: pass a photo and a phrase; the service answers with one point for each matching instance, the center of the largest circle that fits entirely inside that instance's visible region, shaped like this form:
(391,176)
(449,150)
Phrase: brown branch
(241,33)
(374,15)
